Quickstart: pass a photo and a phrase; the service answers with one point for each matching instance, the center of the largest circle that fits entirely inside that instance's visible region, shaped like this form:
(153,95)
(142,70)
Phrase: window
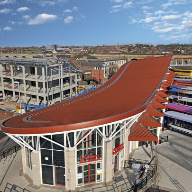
(53,160)
(28,158)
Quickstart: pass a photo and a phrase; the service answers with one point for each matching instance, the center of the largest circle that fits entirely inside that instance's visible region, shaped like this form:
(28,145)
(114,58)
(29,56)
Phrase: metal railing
(149,175)
(9,151)
(12,187)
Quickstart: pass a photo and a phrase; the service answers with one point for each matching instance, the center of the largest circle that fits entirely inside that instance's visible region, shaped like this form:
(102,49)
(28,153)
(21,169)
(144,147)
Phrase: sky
(94,22)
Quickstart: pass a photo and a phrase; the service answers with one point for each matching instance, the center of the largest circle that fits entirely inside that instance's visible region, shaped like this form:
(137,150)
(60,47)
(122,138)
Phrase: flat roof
(127,93)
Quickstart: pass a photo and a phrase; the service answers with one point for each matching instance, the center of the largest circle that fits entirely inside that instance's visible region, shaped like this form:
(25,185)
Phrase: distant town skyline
(91,22)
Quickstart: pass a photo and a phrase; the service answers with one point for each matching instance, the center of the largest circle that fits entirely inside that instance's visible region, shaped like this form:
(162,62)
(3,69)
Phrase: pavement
(174,172)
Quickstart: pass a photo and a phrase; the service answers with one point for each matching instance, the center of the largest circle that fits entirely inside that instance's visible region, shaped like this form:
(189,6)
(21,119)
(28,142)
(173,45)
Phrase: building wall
(97,74)
(92,155)
(33,84)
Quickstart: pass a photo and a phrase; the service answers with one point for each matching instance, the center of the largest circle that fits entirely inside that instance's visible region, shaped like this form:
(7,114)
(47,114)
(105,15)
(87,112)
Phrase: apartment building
(37,81)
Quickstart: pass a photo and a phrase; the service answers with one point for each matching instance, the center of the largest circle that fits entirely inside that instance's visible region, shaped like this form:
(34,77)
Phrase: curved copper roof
(126,94)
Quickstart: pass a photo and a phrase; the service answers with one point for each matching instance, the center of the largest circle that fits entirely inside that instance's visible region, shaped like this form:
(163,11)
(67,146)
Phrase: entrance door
(89,173)
(116,162)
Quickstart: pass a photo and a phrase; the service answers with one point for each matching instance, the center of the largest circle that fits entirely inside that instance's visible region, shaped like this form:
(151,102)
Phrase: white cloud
(67,11)
(117,1)
(75,8)
(159,12)
(69,19)
(146,7)
(12,22)
(165,5)
(165,30)
(44,3)
(116,6)
(171,17)
(7,2)
(144,1)
(5,10)
(149,19)
(161,36)
(83,16)
(7,29)
(127,5)
(48,3)
(188,14)
(26,17)
(114,11)
(21,9)
(42,18)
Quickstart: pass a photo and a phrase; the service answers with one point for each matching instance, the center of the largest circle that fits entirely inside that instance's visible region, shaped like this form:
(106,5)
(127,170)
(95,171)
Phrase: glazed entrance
(89,173)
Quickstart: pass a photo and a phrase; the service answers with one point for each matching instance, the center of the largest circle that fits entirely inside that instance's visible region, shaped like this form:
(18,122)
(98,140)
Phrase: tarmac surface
(174,172)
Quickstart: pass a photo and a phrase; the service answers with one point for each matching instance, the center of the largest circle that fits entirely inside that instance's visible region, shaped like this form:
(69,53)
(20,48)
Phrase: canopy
(140,133)
(179,116)
(188,92)
(175,86)
(178,107)
(175,90)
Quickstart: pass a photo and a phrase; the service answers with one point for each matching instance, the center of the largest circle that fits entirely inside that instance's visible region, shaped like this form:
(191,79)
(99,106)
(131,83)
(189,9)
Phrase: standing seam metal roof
(127,93)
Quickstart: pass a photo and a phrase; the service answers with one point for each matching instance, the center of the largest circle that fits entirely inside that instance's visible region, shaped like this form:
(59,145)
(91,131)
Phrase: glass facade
(53,160)
(89,153)
(118,147)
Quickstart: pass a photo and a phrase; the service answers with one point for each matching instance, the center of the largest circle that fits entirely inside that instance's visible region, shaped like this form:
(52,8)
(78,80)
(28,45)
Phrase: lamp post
(17,82)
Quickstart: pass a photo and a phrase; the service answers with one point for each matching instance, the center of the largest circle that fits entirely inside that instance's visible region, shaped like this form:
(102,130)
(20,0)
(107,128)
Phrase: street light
(17,82)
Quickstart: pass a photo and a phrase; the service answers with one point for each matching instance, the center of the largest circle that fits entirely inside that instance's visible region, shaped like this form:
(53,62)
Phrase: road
(178,149)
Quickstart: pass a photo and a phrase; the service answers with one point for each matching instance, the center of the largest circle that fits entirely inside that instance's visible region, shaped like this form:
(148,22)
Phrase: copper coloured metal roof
(160,99)
(157,105)
(160,93)
(140,133)
(127,93)
(148,121)
(154,112)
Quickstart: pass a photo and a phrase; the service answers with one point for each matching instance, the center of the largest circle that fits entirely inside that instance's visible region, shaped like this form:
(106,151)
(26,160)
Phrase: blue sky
(94,22)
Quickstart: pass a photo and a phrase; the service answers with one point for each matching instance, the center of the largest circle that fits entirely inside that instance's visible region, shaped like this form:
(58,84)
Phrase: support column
(36,168)
(23,159)
(108,170)
(3,91)
(151,149)
(61,80)
(11,67)
(37,100)
(43,75)
(70,169)
(24,85)
(127,145)
(70,85)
